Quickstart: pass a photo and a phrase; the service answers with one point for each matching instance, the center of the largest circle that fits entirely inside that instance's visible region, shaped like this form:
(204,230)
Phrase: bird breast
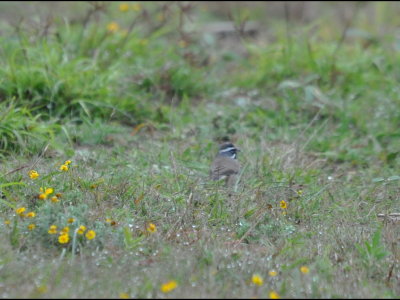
(224,166)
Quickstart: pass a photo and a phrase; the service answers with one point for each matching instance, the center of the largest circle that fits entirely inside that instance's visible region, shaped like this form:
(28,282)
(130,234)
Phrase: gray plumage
(225,164)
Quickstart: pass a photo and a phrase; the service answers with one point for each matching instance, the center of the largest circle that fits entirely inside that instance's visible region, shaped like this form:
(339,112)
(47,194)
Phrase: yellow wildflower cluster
(168,286)
(52,229)
(63,235)
(90,234)
(64,232)
(21,212)
(45,192)
(81,229)
(64,167)
(33,174)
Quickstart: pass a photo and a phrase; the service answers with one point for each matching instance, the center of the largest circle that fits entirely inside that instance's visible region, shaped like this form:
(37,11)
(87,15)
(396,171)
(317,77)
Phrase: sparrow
(225,164)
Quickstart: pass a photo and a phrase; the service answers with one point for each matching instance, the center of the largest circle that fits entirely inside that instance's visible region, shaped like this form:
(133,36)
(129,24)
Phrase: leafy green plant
(372,252)
(21,132)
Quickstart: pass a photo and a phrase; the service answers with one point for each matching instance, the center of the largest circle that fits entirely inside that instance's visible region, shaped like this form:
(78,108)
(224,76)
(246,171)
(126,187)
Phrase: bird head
(228,149)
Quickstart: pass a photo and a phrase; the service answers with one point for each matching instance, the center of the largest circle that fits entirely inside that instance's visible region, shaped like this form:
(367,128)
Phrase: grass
(140,116)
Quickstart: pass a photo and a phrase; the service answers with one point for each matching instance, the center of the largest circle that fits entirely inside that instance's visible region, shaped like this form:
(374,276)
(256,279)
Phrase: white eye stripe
(227,149)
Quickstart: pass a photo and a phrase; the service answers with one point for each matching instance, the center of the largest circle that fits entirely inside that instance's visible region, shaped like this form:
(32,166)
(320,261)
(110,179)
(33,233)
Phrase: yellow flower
(123,295)
(273,295)
(90,235)
(108,220)
(31,214)
(65,230)
(136,7)
(272,273)
(52,229)
(20,211)
(124,7)
(49,191)
(71,220)
(151,228)
(64,168)
(299,192)
(67,162)
(283,204)
(42,196)
(304,269)
(54,199)
(63,239)
(7,222)
(113,27)
(33,174)
(31,226)
(168,286)
(81,229)
(257,280)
